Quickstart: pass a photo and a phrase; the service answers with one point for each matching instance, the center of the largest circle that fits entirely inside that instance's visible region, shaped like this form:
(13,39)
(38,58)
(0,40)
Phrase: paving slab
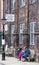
(15,61)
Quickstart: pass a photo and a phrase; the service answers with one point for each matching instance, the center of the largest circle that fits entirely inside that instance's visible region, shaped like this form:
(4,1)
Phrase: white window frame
(32,33)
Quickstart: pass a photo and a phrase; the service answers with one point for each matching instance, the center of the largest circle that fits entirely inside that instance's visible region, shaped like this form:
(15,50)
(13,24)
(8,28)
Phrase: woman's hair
(20,49)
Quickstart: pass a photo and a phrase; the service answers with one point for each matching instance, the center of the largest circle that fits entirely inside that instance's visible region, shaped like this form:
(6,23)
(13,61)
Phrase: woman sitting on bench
(25,54)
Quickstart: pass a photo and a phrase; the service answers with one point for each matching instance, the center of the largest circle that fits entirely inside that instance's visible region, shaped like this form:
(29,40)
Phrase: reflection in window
(33,1)
(21,27)
(13,4)
(21,37)
(22,3)
(12,29)
(12,39)
(33,26)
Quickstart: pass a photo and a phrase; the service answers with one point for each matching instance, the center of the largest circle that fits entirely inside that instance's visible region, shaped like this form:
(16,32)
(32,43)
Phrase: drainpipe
(17,23)
(28,36)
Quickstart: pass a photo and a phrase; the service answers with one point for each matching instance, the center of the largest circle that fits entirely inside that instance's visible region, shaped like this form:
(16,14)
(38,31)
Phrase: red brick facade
(0,15)
(26,14)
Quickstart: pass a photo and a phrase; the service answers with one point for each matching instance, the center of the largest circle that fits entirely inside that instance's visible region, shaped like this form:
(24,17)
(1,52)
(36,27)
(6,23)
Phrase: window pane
(21,39)
(13,4)
(33,1)
(12,39)
(22,3)
(21,27)
(31,39)
(33,27)
(12,29)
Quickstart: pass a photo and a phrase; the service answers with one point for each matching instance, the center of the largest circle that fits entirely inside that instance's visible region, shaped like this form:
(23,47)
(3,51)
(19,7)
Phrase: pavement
(15,61)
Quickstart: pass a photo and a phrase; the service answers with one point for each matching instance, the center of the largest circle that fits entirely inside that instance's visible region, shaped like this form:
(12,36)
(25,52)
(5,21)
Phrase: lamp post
(3,40)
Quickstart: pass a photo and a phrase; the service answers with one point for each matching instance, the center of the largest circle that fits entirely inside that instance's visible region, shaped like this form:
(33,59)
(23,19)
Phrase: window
(21,27)
(12,29)
(33,1)
(31,39)
(22,3)
(21,39)
(12,39)
(13,4)
(33,26)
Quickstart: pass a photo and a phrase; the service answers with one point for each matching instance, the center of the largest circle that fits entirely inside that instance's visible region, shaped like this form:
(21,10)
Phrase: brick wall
(21,13)
(0,15)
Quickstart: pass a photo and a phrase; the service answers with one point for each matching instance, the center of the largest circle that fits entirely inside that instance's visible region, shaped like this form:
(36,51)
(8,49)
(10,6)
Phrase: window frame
(32,33)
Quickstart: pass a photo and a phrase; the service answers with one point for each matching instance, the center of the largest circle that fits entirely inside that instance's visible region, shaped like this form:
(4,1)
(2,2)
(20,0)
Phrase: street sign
(10,17)
(3,41)
(6,27)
